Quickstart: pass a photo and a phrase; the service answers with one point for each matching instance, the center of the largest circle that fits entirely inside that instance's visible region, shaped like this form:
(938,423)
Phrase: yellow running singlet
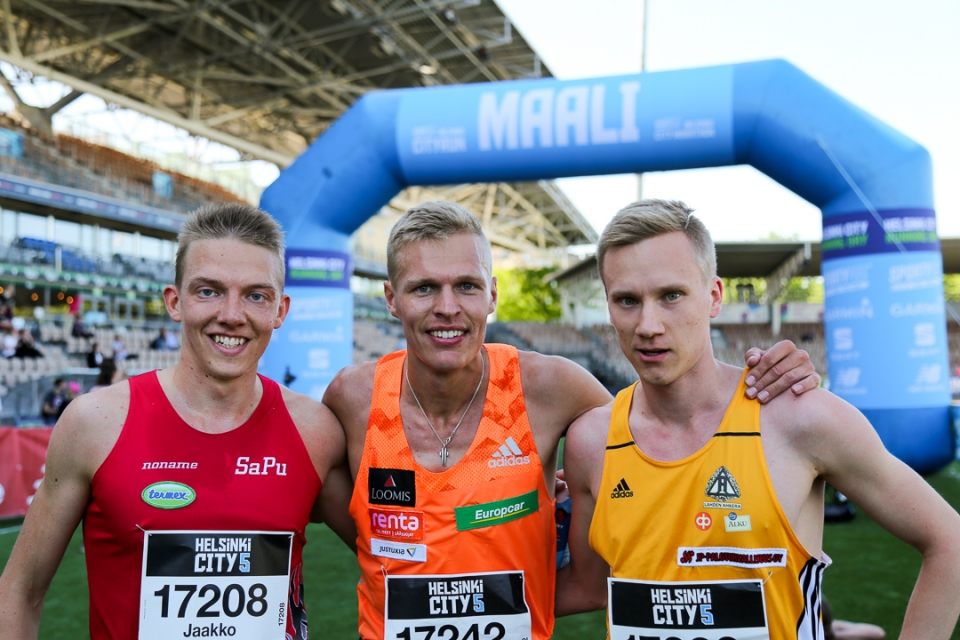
(699,548)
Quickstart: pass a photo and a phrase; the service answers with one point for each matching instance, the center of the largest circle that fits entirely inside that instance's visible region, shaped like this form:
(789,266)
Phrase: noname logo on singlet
(622,490)
(477,516)
(396,487)
(722,487)
(508,455)
(168,495)
(730,557)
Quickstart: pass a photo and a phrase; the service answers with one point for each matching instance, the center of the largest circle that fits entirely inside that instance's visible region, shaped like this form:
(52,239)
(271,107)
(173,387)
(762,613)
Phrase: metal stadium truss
(267,77)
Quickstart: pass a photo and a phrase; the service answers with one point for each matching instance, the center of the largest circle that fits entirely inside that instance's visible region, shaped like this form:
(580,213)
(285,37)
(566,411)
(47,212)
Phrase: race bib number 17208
(200,584)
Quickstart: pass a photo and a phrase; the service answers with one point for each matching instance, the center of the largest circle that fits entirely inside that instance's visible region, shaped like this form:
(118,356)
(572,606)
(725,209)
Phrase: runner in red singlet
(194,483)
(451,534)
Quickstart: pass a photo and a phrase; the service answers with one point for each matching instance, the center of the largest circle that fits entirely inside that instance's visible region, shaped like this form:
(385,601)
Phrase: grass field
(870,580)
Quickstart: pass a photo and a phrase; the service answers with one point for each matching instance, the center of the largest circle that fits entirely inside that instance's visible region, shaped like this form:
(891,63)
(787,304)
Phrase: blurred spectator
(109,374)
(166,340)
(71,391)
(76,305)
(8,343)
(6,313)
(53,401)
(95,357)
(26,347)
(119,348)
(80,330)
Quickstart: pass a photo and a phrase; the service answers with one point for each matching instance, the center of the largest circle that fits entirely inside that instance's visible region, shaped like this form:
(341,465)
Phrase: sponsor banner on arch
(896,231)
(893,299)
(315,341)
(617,125)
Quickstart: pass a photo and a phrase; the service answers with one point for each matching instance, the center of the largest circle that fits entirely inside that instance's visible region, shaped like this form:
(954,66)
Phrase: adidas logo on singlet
(509,455)
(622,490)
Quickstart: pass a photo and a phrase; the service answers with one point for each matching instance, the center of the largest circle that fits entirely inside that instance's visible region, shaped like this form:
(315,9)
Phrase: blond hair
(650,218)
(235,221)
(432,221)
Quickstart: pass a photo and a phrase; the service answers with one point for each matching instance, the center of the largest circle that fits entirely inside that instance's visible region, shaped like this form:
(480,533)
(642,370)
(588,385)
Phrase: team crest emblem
(722,486)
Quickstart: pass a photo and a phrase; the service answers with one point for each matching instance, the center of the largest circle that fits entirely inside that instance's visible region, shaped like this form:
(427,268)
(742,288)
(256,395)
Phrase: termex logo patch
(397,487)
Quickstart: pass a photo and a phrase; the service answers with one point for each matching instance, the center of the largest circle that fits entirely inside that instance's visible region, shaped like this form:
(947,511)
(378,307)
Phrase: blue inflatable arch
(884,313)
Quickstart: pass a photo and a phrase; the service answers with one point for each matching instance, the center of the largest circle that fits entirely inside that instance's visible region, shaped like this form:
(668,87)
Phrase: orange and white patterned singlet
(465,553)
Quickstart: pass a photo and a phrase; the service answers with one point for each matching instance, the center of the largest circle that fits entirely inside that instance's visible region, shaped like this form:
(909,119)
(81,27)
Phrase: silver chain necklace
(444,443)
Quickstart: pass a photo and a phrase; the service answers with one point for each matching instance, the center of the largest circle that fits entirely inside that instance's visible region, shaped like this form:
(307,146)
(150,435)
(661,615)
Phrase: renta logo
(546,118)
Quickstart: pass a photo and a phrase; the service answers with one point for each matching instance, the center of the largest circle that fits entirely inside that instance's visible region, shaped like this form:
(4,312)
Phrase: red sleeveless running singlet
(219,517)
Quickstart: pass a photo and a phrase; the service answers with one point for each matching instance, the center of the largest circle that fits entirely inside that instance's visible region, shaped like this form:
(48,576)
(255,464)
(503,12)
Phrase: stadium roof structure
(763,259)
(266,77)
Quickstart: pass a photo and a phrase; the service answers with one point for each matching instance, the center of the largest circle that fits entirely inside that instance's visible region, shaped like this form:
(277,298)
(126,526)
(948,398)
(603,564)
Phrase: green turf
(870,580)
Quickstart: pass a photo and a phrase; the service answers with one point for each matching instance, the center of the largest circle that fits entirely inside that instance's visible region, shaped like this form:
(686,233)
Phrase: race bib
(478,606)
(722,610)
(202,584)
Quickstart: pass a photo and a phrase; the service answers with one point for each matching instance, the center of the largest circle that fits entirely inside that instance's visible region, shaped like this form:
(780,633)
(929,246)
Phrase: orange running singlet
(465,553)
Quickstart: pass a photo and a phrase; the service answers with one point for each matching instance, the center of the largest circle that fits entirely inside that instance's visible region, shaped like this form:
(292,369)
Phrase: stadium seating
(72,162)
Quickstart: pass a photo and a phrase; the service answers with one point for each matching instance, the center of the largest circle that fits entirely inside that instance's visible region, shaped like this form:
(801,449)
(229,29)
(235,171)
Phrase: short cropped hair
(432,221)
(650,218)
(236,221)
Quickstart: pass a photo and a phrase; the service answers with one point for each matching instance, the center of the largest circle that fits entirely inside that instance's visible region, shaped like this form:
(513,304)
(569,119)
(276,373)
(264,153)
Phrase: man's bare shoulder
(812,420)
(90,425)
(350,395)
(541,372)
(309,414)
(319,429)
(590,429)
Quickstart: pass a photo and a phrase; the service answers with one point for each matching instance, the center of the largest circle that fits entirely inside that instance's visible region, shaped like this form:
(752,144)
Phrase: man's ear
(716,296)
(282,311)
(171,300)
(390,296)
(493,294)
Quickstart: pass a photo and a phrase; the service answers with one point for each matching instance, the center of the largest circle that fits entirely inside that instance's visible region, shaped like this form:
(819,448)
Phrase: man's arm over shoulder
(350,396)
(848,454)
(582,584)
(83,438)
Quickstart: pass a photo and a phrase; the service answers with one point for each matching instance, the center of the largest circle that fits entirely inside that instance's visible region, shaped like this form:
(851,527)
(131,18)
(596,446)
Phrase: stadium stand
(71,162)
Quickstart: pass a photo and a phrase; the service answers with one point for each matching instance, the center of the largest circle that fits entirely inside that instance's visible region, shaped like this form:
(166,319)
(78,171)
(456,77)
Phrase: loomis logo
(396,487)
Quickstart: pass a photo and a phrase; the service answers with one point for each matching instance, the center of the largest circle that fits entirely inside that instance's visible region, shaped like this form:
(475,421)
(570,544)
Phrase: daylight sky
(899,61)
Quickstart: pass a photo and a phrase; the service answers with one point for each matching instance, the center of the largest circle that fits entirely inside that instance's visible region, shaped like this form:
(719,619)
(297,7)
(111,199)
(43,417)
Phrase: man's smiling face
(442,294)
(229,302)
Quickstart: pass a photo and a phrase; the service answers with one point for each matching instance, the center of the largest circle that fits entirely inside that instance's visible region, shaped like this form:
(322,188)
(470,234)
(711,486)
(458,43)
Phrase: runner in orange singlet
(451,535)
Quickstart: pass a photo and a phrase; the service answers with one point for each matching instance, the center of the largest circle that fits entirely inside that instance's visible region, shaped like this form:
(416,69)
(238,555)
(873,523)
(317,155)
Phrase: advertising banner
(23,454)
(615,125)
(896,300)
(316,340)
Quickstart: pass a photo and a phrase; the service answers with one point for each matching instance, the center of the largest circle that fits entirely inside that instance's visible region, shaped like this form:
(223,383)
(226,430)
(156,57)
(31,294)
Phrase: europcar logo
(168,495)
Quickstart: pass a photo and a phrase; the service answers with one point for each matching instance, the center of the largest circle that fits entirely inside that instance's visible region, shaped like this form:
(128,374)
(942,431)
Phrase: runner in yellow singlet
(707,508)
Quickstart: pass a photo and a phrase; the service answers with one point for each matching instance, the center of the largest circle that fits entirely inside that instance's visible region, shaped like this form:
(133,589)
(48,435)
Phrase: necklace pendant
(443,456)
